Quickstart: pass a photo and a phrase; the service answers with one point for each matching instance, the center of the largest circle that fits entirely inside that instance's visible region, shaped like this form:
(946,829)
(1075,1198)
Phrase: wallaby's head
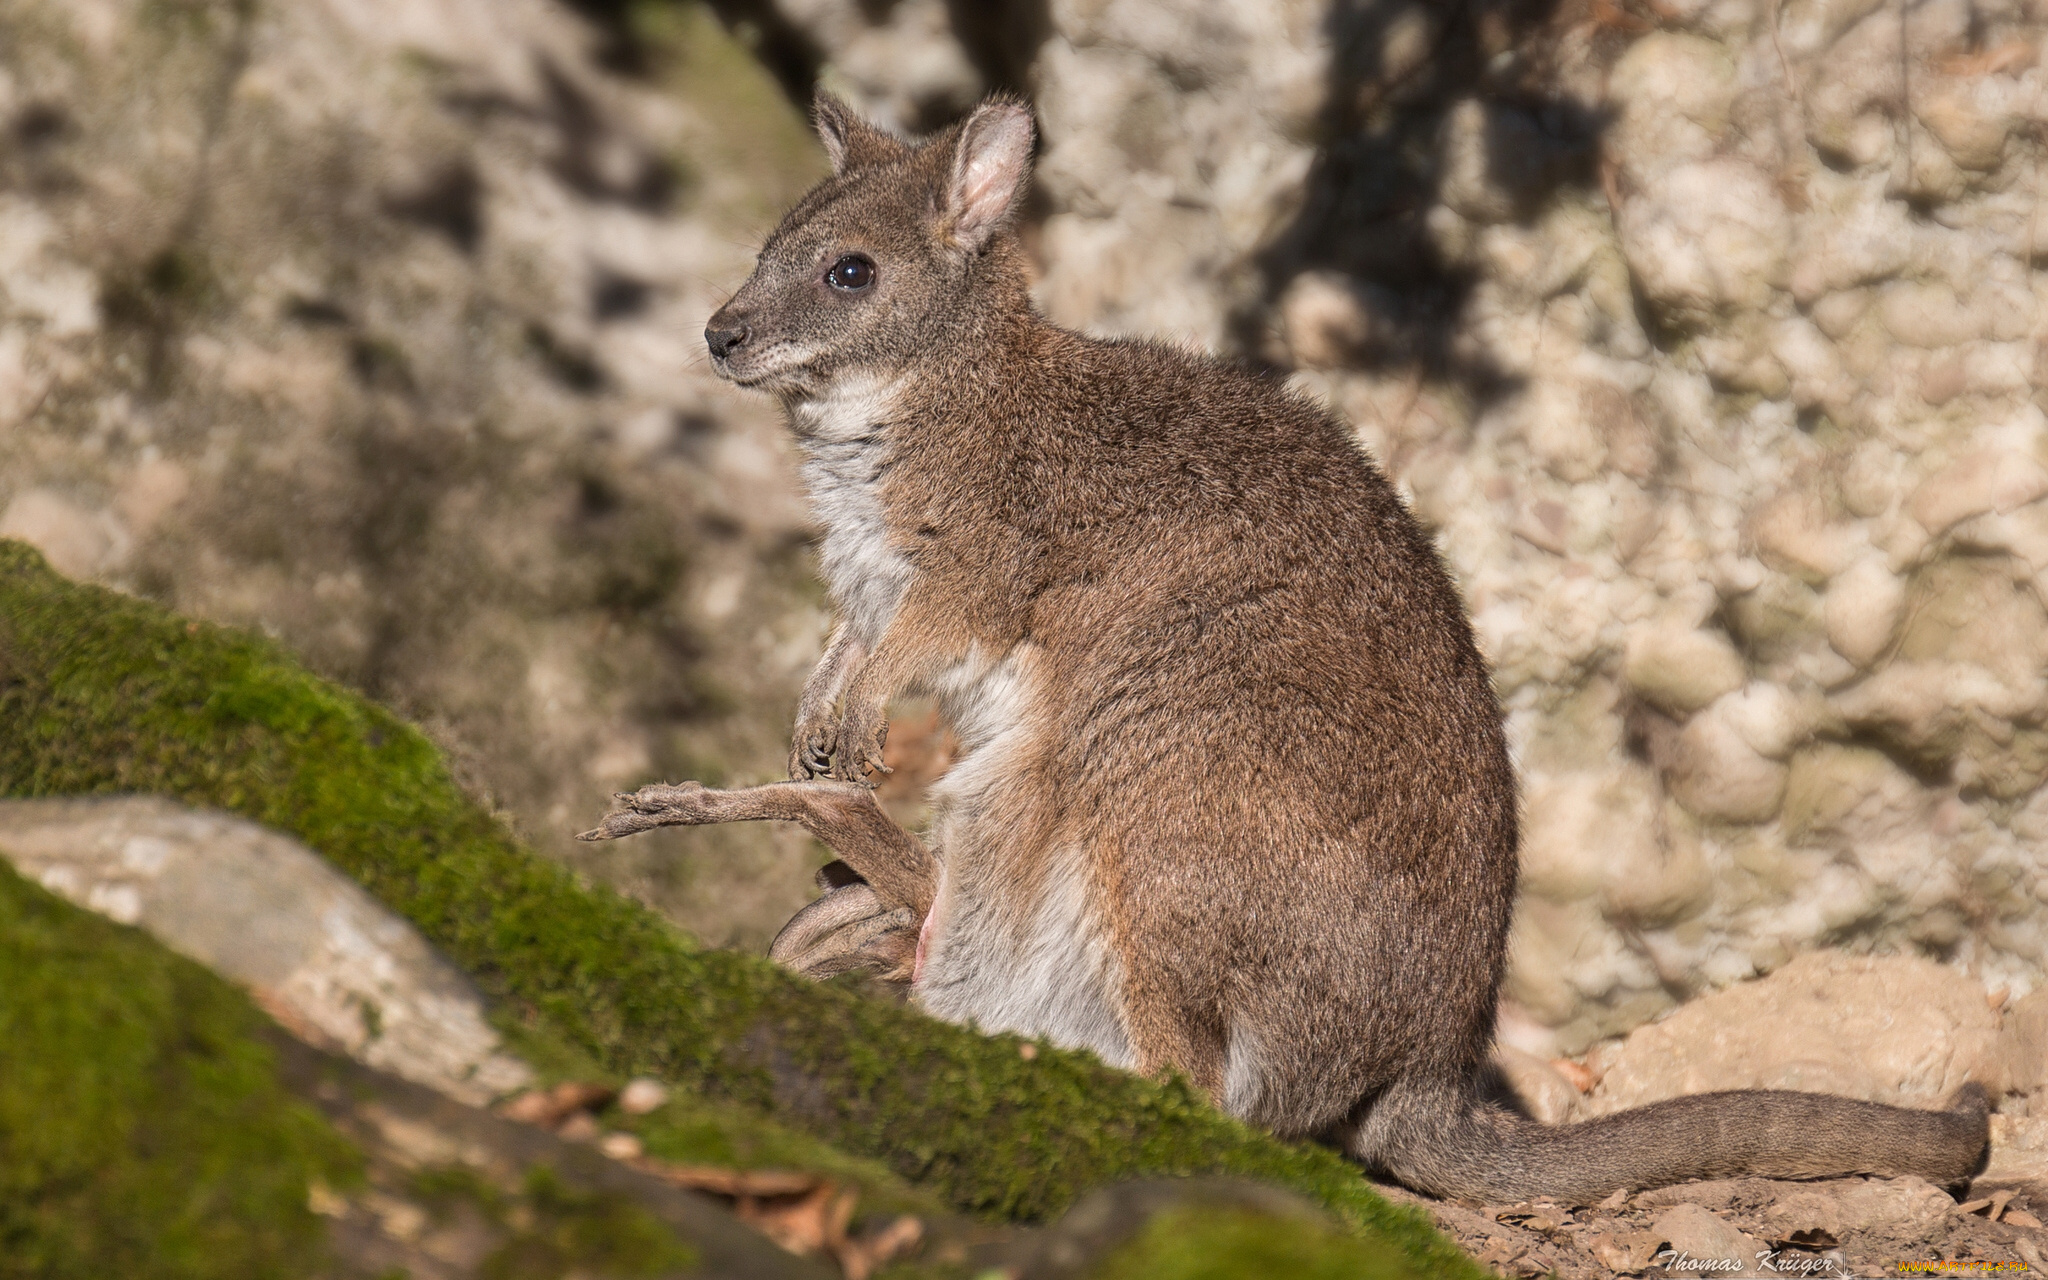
(882,261)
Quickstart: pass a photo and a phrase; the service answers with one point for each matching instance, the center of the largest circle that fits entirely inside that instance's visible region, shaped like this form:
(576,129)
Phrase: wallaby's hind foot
(849,930)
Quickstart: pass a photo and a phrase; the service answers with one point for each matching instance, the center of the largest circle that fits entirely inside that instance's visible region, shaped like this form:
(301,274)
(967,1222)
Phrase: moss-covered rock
(143,1129)
(101,692)
(1195,1244)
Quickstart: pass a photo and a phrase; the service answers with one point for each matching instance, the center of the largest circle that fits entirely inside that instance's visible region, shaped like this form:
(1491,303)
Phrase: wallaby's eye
(852,273)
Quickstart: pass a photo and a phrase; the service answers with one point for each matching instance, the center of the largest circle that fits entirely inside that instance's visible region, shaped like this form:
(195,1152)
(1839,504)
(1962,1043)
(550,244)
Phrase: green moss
(555,1230)
(143,1131)
(101,693)
(1231,1244)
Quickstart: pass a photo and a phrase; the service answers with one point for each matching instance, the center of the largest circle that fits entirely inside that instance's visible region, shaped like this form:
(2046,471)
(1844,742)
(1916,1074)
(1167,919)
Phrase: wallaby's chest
(847,453)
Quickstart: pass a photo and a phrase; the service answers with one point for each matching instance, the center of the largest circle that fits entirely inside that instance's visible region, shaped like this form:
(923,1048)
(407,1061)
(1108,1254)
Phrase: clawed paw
(810,753)
(861,739)
(660,804)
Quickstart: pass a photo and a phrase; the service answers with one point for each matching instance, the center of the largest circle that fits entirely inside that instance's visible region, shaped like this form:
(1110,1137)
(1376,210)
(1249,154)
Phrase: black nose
(722,341)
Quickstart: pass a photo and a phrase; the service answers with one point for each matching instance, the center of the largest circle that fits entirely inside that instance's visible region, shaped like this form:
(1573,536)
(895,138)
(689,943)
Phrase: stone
(1863,607)
(1793,534)
(2019,1156)
(2024,1044)
(1768,718)
(317,952)
(1905,1205)
(1494,161)
(369,324)
(1698,1243)
(1897,1029)
(1830,782)
(1329,321)
(1674,92)
(1717,775)
(642,1095)
(1710,236)
(1583,831)
(1990,479)
(1680,670)
(76,542)
(1544,1093)
(1926,314)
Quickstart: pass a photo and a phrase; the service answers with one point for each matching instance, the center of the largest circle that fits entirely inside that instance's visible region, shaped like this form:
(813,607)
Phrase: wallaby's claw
(658,804)
(810,754)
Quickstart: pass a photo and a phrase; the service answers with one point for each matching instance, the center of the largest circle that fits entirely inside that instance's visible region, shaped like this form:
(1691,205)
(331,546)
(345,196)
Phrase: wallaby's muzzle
(724,334)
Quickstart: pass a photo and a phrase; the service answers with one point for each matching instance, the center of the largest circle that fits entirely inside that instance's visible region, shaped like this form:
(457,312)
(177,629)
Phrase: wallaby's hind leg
(842,814)
(849,930)
(1167,1031)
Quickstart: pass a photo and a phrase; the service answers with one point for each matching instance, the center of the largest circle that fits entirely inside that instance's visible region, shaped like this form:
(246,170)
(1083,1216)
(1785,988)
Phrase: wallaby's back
(1235,796)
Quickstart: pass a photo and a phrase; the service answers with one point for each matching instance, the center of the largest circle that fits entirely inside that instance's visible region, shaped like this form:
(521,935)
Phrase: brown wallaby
(1233,795)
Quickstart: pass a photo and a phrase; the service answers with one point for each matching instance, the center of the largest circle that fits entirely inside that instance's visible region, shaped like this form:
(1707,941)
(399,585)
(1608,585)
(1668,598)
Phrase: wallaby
(1233,795)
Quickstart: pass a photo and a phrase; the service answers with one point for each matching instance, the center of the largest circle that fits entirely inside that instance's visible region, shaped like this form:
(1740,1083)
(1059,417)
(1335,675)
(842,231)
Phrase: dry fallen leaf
(1578,1073)
(548,1108)
(862,1257)
(732,1182)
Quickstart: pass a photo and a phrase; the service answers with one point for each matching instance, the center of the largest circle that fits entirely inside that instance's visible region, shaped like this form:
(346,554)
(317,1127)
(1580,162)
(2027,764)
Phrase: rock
(77,542)
(1895,1029)
(1119,1217)
(503,1190)
(1833,788)
(1863,606)
(1681,670)
(1698,1243)
(1793,534)
(1330,321)
(1494,161)
(1544,1093)
(1585,830)
(1985,480)
(2019,1157)
(317,952)
(1161,198)
(1908,1206)
(642,1095)
(1674,92)
(1711,235)
(1716,774)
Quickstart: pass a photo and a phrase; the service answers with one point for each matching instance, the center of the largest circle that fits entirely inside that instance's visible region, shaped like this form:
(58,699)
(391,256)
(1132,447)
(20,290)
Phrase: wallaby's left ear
(991,163)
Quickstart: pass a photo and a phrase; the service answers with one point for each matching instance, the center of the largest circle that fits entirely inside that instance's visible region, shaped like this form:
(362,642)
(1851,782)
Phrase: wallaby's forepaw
(862,735)
(659,804)
(810,751)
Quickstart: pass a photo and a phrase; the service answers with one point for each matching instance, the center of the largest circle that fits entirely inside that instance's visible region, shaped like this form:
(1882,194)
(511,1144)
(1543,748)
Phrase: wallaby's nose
(723,340)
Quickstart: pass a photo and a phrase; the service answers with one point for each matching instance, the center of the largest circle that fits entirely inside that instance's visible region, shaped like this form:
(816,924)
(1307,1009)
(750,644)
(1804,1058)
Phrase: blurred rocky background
(1707,335)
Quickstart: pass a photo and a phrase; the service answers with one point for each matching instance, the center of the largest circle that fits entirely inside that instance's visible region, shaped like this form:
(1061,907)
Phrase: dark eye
(852,273)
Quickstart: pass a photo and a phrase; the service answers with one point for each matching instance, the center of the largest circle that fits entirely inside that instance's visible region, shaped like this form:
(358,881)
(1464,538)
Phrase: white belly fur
(1039,968)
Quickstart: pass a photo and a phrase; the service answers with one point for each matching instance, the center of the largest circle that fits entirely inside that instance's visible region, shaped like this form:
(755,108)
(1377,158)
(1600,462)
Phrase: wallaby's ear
(850,141)
(991,162)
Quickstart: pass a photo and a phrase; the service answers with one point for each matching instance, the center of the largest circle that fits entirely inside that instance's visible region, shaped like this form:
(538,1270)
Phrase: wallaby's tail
(1438,1139)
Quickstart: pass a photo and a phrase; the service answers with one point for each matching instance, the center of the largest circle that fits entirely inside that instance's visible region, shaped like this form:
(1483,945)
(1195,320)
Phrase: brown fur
(1243,806)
